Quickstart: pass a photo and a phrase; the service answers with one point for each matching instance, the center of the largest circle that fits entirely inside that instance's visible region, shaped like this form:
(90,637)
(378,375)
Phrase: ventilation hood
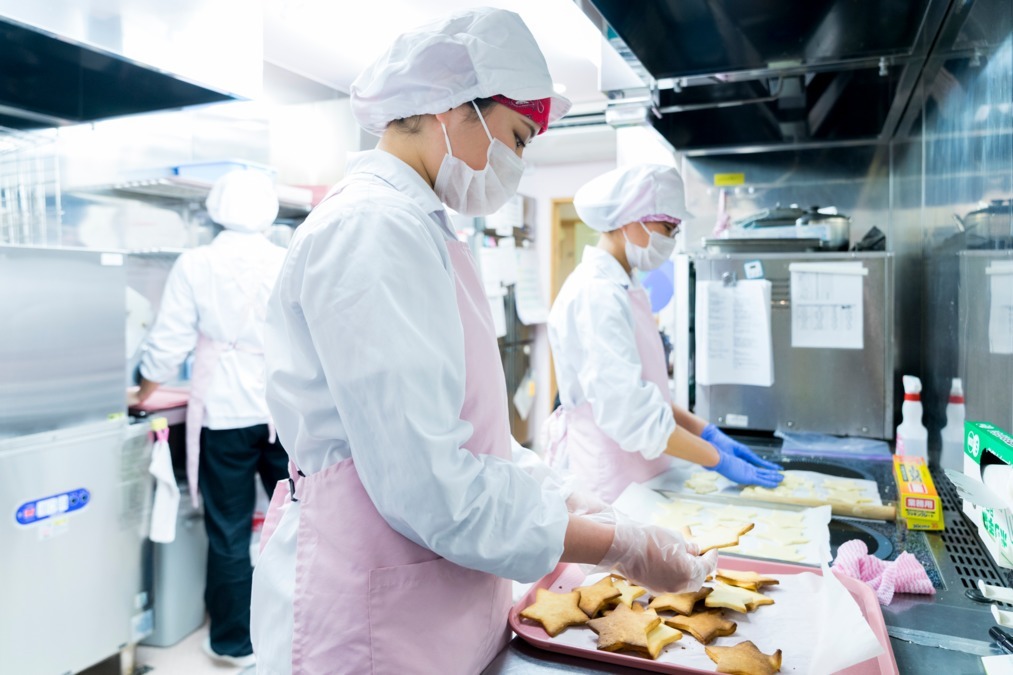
(66,62)
(747,75)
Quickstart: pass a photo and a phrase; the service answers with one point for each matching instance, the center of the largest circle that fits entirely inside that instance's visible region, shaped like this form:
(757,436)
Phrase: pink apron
(368,600)
(600,463)
(205,361)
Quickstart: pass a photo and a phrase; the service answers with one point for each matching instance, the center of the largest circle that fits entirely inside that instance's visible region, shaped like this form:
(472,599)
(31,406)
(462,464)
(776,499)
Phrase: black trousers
(230,460)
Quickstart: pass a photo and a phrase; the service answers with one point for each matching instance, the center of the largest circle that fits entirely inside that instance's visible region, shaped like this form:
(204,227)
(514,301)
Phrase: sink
(824,467)
(846,530)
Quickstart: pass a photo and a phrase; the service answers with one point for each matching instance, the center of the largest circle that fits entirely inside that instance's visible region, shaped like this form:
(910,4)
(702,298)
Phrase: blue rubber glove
(744,473)
(733,461)
(726,445)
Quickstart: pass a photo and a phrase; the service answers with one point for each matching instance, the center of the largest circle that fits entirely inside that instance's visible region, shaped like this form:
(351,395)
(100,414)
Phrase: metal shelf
(170,190)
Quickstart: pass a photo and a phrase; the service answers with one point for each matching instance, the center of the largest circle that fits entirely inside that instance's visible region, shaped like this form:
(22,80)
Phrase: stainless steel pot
(995,220)
(838,228)
(779,216)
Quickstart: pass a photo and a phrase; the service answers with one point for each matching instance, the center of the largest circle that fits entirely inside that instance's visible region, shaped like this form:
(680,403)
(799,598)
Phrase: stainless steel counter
(945,632)
(520,658)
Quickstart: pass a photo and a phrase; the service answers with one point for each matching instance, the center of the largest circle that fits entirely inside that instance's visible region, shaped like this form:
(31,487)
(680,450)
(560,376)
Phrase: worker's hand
(744,473)
(133,396)
(582,503)
(657,558)
(726,445)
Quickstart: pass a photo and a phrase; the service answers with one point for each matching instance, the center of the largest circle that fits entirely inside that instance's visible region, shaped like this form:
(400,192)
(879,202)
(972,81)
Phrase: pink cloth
(903,575)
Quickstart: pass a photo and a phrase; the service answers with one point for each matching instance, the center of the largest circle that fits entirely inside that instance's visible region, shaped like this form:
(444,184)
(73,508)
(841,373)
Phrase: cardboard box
(984,445)
(917,501)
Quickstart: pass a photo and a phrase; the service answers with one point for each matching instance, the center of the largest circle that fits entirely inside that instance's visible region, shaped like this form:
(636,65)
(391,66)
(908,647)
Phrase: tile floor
(183,658)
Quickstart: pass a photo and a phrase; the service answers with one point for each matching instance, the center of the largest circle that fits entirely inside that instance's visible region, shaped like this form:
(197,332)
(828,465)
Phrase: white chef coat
(365,359)
(209,291)
(591,332)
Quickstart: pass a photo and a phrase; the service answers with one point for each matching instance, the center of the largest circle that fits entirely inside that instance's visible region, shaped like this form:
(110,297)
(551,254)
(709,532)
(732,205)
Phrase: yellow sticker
(727,179)
(531,388)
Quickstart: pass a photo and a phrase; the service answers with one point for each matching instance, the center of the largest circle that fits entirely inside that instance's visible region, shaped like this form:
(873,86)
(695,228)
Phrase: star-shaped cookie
(682,603)
(785,519)
(732,597)
(627,591)
(555,611)
(744,659)
(704,626)
(785,537)
(717,537)
(660,636)
(749,580)
(596,596)
(624,628)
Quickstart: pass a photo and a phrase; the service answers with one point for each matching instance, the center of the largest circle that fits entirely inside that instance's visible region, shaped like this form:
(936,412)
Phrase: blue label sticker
(753,269)
(54,505)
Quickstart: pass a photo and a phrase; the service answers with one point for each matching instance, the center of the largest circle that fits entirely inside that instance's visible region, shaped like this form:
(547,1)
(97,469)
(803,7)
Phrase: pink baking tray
(566,577)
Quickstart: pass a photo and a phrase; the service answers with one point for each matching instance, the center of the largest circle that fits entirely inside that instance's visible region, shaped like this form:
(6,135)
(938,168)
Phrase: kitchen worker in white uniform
(390,549)
(214,305)
(617,424)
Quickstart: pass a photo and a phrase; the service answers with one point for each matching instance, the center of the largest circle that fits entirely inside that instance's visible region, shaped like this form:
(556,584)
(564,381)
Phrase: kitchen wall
(960,159)
(956,156)
(543,183)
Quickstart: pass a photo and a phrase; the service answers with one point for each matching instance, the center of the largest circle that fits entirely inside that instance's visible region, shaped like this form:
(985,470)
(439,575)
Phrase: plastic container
(952,455)
(912,436)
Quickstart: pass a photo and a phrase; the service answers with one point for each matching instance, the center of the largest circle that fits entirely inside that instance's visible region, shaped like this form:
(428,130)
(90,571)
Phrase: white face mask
(659,249)
(478,193)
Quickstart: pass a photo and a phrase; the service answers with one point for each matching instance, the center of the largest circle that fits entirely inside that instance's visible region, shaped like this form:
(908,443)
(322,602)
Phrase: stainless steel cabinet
(835,391)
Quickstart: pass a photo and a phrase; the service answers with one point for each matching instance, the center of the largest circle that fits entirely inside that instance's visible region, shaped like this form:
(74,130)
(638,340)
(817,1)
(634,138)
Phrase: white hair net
(630,194)
(474,54)
(243,200)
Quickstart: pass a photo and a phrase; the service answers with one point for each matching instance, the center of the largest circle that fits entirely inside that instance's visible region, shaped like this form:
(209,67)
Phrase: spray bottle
(912,436)
(952,456)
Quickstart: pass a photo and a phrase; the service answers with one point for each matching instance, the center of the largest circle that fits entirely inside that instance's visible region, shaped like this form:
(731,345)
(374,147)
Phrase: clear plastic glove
(656,558)
(744,473)
(582,503)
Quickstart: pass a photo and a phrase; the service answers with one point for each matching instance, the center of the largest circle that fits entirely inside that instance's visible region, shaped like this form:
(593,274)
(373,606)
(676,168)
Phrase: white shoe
(238,661)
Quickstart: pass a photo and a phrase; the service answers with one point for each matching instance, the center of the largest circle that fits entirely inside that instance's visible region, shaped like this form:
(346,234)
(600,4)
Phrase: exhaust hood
(66,62)
(741,75)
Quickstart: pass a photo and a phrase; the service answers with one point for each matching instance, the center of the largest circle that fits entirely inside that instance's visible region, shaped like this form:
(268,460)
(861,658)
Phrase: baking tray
(566,576)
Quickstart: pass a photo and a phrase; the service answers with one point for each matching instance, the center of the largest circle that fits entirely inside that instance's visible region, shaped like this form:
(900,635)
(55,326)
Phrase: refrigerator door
(77,504)
(516,362)
(986,365)
(836,391)
(62,364)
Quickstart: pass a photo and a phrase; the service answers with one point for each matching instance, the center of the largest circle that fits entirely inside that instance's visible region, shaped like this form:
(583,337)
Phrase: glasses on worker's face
(667,229)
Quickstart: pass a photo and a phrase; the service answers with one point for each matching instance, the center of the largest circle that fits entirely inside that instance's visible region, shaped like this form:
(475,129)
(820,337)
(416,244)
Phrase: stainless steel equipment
(994,221)
(77,502)
(987,376)
(837,227)
(175,574)
(836,391)
(62,349)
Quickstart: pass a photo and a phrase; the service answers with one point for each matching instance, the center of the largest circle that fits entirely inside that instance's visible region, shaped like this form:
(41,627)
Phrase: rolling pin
(871,511)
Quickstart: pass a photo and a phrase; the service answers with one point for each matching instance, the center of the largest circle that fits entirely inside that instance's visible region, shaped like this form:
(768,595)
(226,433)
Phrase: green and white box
(986,445)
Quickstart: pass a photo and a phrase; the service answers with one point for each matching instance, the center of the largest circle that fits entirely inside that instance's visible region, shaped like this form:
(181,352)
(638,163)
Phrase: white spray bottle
(952,456)
(912,436)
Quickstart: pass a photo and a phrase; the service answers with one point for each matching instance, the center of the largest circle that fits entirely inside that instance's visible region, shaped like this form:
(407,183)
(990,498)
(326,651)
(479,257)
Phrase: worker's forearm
(586,541)
(146,389)
(688,421)
(692,448)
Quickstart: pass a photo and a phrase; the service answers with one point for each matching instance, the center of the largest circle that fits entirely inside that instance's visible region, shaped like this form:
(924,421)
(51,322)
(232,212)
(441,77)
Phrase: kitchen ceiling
(331,42)
(747,75)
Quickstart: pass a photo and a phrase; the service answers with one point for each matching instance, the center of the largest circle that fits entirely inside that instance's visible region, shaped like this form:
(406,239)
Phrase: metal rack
(30,208)
(171,190)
